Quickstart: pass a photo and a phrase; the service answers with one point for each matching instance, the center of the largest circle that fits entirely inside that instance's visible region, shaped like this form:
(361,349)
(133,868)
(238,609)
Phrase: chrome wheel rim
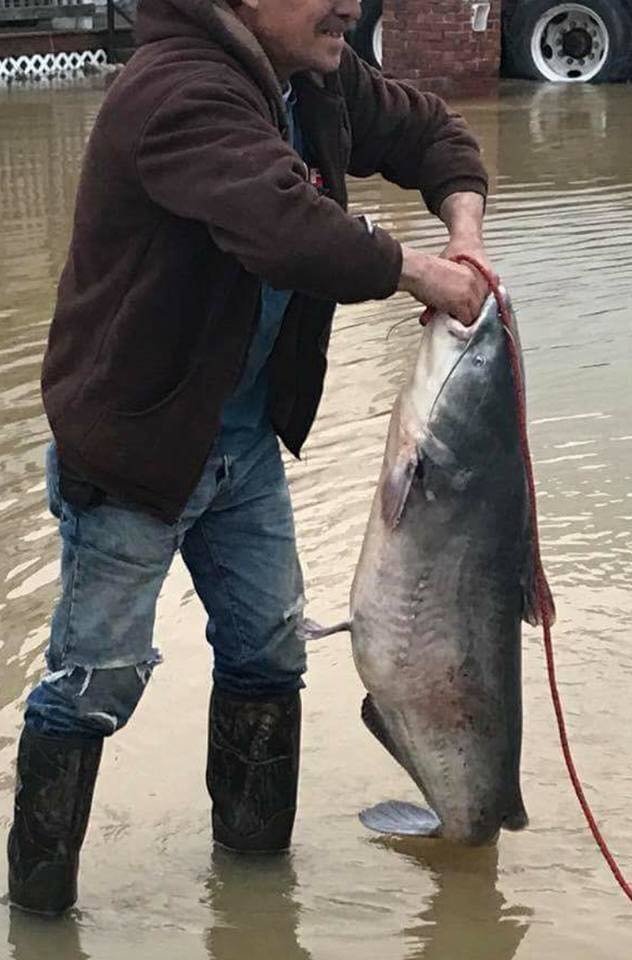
(376,41)
(570,43)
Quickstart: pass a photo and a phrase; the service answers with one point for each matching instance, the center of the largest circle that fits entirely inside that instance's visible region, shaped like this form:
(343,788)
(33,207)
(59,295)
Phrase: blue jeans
(236,536)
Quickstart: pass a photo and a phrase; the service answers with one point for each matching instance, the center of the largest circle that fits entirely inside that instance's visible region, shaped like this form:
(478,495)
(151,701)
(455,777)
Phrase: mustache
(335,24)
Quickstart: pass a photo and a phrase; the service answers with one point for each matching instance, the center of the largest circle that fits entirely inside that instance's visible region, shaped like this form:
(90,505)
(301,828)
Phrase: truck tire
(366,39)
(571,42)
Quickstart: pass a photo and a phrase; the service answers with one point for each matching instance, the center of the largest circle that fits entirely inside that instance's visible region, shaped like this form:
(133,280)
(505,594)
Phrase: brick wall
(431,43)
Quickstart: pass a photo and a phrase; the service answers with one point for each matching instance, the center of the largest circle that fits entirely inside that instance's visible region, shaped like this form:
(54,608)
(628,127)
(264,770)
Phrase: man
(209,248)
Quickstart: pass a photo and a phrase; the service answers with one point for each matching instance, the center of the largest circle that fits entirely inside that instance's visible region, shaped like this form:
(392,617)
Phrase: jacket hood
(215,21)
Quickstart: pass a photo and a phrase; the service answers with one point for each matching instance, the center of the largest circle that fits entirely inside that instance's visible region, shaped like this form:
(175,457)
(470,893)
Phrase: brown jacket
(189,196)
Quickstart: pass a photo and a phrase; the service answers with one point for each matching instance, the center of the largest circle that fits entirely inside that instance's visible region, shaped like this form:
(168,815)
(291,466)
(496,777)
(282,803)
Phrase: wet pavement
(559,229)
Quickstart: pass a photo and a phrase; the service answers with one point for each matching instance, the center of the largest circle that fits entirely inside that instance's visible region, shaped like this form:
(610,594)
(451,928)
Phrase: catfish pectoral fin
(372,719)
(396,487)
(401,819)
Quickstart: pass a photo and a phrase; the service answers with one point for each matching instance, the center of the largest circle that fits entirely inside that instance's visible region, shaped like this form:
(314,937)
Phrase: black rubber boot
(252,770)
(53,795)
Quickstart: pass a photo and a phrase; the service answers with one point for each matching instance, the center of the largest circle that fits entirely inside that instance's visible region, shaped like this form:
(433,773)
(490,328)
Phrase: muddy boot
(252,771)
(53,794)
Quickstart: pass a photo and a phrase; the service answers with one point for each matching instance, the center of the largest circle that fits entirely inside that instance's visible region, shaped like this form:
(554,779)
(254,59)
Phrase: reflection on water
(43,133)
(255,913)
(559,229)
(32,937)
(467,916)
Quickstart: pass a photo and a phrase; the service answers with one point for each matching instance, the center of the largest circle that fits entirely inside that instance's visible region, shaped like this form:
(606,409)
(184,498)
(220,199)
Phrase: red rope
(542,589)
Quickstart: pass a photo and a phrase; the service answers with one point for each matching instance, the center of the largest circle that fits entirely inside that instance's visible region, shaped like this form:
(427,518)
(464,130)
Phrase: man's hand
(462,214)
(472,247)
(436,282)
(457,289)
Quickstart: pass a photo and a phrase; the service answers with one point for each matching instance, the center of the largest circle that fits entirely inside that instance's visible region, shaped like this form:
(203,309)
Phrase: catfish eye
(479,360)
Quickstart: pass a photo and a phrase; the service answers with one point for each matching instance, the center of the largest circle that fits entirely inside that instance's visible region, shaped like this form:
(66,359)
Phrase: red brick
(438,42)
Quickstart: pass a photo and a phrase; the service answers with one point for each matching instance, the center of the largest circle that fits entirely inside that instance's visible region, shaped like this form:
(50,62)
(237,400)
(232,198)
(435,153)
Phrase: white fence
(43,66)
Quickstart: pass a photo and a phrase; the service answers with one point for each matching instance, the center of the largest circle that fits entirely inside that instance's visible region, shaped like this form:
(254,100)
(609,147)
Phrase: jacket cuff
(462,185)
(382,271)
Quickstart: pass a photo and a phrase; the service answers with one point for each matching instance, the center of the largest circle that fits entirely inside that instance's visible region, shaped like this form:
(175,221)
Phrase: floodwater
(560,232)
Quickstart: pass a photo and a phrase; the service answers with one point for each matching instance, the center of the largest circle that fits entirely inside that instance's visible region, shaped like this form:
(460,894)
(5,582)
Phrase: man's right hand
(449,287)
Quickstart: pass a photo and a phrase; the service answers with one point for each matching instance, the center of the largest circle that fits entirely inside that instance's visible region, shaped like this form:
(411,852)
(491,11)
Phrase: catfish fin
(395,489)
(372,719)
(310,630)
(518,819)
(402,819)
(537,600)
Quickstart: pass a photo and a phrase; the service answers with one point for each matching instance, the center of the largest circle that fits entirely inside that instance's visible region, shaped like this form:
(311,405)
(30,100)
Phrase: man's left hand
(462,214)
(472,247)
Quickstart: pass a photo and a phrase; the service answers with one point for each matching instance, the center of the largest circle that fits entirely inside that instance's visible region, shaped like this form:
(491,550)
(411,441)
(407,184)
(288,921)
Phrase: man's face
(302,34)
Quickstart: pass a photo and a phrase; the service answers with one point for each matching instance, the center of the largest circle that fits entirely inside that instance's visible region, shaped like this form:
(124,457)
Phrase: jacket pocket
(164,402)
(155,455)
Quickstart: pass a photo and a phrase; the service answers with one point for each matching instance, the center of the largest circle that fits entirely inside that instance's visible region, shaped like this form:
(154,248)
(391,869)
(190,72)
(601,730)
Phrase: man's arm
(462,214)
(207,154)
(411,138)
(457,289)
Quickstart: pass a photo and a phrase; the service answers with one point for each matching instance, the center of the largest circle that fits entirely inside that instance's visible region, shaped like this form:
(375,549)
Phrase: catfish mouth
(460,331)
(470,336)
(466,335)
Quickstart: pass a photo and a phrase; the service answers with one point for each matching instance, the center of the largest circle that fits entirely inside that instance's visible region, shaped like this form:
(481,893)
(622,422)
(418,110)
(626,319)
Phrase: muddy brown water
(559,228)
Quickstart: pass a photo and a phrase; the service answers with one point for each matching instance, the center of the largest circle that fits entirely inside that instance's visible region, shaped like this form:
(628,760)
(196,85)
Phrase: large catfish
(445,576)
